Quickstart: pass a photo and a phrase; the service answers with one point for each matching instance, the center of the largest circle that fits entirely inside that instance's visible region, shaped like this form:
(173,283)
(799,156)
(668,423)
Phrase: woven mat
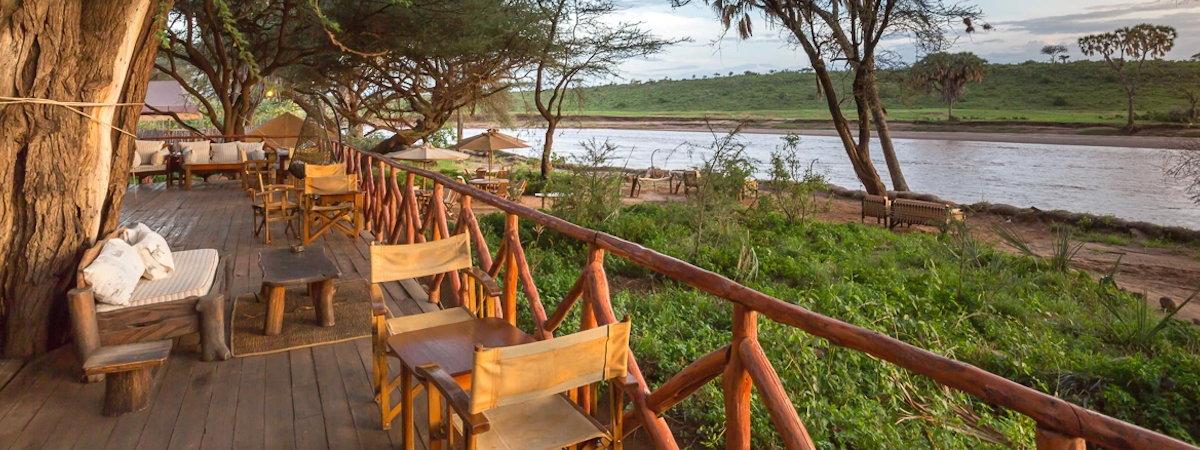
(352,320)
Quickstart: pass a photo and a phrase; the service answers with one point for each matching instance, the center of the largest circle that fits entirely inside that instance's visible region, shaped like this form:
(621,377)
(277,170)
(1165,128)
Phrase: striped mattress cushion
(193,277)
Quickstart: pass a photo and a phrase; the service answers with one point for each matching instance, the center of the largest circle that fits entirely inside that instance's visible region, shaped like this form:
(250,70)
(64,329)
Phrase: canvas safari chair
(478,297)
(331,202)
(519,394)
(255,175)
(324,170)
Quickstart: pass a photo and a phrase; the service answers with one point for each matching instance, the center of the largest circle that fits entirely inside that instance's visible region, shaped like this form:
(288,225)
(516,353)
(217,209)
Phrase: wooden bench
(126,369)
(876,206)
(189,169)
(919,212)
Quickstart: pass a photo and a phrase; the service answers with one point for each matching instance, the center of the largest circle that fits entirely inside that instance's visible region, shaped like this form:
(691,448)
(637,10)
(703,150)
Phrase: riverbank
(1172,137)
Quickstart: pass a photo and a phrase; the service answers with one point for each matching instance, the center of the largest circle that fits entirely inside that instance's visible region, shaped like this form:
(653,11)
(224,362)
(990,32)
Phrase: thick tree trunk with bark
(63,175)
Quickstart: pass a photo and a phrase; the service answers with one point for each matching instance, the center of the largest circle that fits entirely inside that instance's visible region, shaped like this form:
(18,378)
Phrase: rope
(72,106)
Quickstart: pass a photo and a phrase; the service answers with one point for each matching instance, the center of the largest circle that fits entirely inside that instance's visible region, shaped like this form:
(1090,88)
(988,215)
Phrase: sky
(1021,28)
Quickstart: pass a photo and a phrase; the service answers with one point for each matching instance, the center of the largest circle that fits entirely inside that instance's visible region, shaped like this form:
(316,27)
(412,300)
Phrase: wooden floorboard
(316,397)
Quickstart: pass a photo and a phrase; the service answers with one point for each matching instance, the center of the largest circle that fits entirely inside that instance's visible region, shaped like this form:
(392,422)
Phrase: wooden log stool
(127,373)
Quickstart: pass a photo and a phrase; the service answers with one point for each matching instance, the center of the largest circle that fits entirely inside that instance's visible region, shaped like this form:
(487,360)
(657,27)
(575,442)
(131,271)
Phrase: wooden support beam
(735,382)
(509,300)
(770,389)
(568,301)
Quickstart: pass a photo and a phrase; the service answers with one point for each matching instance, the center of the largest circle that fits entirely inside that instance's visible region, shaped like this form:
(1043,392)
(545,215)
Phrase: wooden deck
(317,397)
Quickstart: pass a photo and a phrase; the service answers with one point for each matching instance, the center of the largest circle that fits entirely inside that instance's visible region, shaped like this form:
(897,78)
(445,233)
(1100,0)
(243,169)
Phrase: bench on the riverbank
(876,206)
(918,212)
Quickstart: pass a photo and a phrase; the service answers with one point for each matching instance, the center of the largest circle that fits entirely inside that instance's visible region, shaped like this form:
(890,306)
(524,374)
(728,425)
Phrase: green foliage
(950,294)
(947,74)
(591,193)
(1010,92)
(794,185)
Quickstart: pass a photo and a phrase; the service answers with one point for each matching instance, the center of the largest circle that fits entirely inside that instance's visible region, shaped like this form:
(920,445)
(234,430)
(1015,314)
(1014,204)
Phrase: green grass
(1077,93)
(1011,315)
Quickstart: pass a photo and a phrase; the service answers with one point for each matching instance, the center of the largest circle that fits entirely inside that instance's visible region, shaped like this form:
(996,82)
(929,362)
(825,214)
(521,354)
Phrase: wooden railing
(394,216)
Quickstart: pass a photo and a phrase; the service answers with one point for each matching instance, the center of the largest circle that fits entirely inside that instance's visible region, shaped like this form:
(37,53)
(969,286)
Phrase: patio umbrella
(427,153)
(489,142)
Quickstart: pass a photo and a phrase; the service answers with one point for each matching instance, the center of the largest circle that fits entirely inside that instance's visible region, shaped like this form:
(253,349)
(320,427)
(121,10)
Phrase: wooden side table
(282,268)
(127,373)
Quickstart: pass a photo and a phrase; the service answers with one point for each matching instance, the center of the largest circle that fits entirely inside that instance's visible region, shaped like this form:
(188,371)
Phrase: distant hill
(1078,92)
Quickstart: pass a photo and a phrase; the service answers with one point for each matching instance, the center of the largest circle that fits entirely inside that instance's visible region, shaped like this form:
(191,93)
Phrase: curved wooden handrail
(1053,415)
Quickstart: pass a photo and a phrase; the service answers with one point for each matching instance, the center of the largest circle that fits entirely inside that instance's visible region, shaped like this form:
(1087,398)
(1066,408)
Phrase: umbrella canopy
(428,152)
(491,140)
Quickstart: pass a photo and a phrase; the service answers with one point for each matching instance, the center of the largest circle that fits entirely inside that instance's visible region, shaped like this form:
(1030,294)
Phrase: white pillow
(197,151)
(153,250)
(115,273)
(136,160)
(251,150)
(225,153)
(146,149)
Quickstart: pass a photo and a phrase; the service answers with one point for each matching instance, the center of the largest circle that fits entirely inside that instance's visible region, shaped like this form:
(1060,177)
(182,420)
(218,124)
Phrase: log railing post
(600,302)
(509,300)
(467,216)
(410,223)
(735,381)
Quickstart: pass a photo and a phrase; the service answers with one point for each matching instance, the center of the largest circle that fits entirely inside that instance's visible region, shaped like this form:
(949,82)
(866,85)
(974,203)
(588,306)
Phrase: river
(1118,181)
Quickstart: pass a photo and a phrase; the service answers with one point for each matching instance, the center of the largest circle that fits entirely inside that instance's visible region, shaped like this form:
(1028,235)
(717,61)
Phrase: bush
(793,185)
(591,193)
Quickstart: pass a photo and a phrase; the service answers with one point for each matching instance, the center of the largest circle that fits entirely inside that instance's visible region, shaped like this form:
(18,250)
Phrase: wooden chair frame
(319,215)
(273,204)
(440,386)
(479,293)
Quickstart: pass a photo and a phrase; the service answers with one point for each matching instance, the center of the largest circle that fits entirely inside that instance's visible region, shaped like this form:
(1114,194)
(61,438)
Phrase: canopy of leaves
(947,73)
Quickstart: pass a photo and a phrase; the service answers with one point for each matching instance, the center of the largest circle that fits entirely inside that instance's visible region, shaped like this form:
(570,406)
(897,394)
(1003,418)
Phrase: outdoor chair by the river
(477,298)
(519,394)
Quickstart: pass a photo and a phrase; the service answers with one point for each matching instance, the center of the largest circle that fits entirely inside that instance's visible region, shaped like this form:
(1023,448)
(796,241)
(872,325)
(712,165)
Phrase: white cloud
(1022,27)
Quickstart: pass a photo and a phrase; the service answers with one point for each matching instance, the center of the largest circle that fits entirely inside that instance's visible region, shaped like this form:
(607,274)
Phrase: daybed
(183,303)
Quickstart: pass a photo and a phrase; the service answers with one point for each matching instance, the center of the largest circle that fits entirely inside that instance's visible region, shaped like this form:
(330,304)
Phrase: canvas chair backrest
(510,375)
(335,184)
(324,170)
(402,262)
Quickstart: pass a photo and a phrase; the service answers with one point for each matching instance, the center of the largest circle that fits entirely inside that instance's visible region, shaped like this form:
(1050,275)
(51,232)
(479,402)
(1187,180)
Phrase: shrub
(793,185)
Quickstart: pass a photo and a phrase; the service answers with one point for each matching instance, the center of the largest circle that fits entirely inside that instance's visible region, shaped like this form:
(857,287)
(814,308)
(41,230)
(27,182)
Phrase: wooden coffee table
(451,347)
(283,268)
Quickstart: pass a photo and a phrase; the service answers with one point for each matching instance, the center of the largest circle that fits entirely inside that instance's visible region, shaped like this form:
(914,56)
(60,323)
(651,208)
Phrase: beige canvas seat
(518,397)
(477,298)
(331,202)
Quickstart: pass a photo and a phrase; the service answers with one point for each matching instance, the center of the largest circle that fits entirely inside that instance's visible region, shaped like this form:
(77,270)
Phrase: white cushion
(251,151)
(136,160)
(153,250)
(197,151)
(146,149)
(193,277)
(114,274)
(225,153)
(147,168)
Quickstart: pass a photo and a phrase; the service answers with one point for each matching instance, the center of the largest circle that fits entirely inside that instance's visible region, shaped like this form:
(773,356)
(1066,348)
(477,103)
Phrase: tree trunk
(547,147)
(1129,123)
(885,137)
(63,175)
(863,167)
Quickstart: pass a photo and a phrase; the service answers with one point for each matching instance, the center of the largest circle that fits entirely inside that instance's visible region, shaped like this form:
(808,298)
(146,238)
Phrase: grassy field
(1079,92)
(1060,332)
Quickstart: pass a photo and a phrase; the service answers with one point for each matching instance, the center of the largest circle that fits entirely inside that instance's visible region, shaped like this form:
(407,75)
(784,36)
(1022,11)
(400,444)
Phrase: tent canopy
(283,131)
(167,96)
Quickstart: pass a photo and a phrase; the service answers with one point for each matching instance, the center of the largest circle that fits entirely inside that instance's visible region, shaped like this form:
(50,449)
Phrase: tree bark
(885,136)
(1129,124)
(548,147)
(63,174)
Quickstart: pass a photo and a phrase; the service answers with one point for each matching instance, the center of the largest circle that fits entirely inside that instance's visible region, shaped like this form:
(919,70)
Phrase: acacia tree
(73,74)
(850,32)
(579,44)
(406,67)
(220,51)
(1126,51)
(1053,51)
(948,75)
